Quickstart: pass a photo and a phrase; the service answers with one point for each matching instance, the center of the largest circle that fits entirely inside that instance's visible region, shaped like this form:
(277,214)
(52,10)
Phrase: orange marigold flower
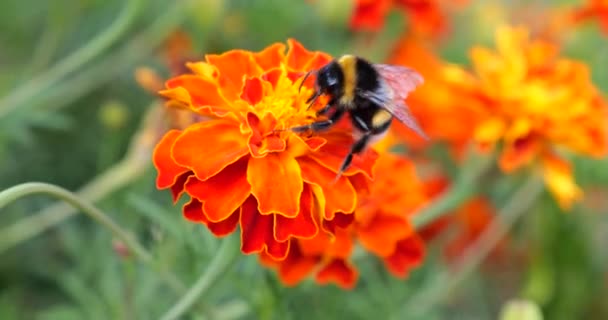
(241,167)
(381,226)
(523,97)
(535,102)
(426,16)
(447,113)
(593,9)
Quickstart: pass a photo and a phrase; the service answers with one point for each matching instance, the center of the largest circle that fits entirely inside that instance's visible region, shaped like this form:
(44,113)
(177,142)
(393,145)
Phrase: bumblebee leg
(356,148)
(320,125)
(323,111)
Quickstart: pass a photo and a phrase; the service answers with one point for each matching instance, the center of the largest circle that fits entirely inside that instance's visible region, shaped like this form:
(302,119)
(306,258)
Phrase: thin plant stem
(26,189)
(74,61)
(223,259)
(117,176)
(445,282)
(134,165)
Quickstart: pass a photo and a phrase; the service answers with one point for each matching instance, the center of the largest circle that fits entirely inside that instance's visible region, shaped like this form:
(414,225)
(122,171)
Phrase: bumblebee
(371,94)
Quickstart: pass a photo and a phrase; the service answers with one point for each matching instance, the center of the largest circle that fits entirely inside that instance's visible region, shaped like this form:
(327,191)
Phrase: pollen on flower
(238,164)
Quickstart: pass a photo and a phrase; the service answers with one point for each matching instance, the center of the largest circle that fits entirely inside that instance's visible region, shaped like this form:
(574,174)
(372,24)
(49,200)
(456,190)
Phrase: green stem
(218,267)
(133,166)
(27,228)
(445,282)
(73,61)
(11,194)
(464,187)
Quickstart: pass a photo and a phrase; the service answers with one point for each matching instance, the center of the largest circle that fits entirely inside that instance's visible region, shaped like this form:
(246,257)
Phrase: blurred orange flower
(240,167)
(382,226)
(593,9)
(446,112)
(427,17)
(535,102)
(522,96)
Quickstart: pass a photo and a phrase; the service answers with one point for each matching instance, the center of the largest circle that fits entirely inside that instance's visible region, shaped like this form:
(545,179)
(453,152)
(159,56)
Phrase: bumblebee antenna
(312,99)
(304,80)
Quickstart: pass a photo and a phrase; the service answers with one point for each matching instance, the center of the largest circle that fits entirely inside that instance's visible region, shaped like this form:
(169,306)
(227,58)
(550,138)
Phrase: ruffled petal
(340,196)
(409,254)
(276,182)
(332,154)
(271,56)
(178,188)
(202,93)
(260,141)
(223,193)
(209,147)
(339,272)
(297,56)
(303,225)
(257,232)
(382,234)
(168,170)
(340,221)
(296,266)
(233,67)
(226,226)
(193,211)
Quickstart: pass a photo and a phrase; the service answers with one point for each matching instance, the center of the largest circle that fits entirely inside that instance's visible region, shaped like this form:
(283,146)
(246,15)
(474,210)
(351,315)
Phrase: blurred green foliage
(76,128)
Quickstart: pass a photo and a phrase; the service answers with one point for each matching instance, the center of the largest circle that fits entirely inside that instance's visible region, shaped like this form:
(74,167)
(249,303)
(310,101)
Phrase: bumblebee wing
(402,80)
(397,83)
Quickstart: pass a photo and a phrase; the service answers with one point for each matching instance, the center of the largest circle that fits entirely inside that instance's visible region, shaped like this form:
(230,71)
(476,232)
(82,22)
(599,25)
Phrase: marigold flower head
(593,9)
(522,97)
(239,165)
(426,17)
(537,102)
(381,226)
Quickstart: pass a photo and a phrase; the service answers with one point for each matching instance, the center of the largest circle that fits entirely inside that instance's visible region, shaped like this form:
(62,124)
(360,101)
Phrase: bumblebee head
(330,79)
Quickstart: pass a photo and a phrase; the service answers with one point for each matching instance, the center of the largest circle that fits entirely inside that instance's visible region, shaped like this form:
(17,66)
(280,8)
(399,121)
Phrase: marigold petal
(339,272)
(409,254)
(226,226)
(201,93)
(297,55)
(303,225)
(193,211)
(253,91)
(223,193)
(338,245)
(339,221)
(276,182)
(340,196)
(260,141)
(168,170)
(332,154)
(209,147)
(383,233)
(521,152)
(233,67)
(271,56)
(558,177)
(296,266)
(257,232)
(177,189)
